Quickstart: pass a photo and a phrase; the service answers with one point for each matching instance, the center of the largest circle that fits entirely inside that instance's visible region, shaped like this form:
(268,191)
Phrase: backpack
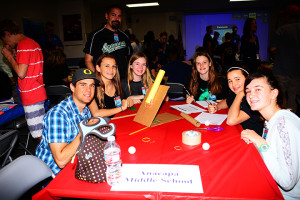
(91,164)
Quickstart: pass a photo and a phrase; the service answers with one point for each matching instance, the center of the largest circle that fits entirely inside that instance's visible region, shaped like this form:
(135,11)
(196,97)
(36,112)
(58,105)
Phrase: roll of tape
(191,137)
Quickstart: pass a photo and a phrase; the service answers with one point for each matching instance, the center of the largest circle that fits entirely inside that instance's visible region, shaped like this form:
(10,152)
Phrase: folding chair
(57,93)
(8,140)
(21,175)
(177,91)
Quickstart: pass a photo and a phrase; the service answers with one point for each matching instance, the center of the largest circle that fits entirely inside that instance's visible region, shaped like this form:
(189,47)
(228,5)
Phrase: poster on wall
(72,27)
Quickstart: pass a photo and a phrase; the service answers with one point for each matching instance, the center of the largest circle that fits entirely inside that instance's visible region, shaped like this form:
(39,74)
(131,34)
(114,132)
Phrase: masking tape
(191,137)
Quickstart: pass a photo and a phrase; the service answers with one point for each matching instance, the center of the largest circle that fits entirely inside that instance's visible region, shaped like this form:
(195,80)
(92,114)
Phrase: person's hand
(136,101)
(212,108)
(190,99)
(130,102)
(241,93)
(124,104)
(250,136)
(6,52)
(92,121)
(166,98)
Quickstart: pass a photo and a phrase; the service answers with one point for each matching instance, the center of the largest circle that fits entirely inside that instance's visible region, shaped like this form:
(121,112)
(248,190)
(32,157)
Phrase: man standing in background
(286,46)
(109,39)
(28,65)
(207,40)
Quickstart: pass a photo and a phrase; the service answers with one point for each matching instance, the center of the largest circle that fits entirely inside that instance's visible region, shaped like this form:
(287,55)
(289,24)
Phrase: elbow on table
(231,122)
(61,164)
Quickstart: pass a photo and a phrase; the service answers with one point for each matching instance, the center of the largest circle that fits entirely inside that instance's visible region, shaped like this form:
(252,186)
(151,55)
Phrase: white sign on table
(160,177)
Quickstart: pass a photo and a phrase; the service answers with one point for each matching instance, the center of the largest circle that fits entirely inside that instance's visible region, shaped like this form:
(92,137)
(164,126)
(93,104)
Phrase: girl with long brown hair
(205,83)
(107,101)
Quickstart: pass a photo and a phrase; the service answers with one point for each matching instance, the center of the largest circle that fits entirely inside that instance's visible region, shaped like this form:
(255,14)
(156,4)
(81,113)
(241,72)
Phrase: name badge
(144,90)
(118,102)
(116,37)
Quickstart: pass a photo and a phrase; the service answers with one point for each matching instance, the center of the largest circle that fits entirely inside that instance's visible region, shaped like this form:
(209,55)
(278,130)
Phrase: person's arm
(96,112)
(63,152)
(136,99)
(189,99)
(20,69)
(88,60)
(235,114)
(212,108)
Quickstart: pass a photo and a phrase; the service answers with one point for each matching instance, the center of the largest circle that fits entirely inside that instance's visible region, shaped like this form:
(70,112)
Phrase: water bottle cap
(111,138)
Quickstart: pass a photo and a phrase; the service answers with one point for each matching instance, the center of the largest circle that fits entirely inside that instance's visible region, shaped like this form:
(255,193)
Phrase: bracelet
(263,148)
(121,108)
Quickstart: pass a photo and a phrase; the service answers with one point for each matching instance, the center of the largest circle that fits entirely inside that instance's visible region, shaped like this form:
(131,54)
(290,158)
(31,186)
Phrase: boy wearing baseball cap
(61,136)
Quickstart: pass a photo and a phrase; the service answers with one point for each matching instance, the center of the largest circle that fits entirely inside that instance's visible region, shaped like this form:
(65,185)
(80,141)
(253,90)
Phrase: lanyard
(265,133)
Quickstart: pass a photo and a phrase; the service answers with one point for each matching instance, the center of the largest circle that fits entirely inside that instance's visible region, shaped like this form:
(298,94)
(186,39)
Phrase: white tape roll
(191,137)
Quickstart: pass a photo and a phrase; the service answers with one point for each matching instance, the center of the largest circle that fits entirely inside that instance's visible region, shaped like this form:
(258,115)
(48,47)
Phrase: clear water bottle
(114,173)
(112,156)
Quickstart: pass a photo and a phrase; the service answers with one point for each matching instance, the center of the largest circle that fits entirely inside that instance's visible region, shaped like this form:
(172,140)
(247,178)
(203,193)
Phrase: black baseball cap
(84,73)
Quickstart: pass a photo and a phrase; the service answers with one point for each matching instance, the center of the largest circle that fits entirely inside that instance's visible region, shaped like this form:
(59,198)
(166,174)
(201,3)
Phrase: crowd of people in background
(120,69)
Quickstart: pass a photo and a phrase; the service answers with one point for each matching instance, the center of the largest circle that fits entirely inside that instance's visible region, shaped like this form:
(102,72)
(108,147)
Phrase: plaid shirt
(60,126)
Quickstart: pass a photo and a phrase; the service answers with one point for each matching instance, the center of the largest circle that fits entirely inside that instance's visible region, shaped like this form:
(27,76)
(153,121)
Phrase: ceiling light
(240,0)
(142,4)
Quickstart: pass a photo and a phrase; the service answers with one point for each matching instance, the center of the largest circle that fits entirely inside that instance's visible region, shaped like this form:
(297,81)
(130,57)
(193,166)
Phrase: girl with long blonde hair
(139,78)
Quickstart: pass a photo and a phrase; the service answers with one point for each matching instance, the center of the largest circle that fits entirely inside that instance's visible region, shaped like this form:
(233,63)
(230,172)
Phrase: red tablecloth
(230,169)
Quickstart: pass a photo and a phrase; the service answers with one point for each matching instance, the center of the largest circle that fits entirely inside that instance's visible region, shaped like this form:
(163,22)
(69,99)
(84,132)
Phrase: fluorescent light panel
(142,4)
(240,0)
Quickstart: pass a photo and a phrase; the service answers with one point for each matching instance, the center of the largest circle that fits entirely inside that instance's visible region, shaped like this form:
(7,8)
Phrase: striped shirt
(60,125)
(31,88)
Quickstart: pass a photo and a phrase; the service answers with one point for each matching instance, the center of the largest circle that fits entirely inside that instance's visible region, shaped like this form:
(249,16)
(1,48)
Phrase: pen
(209,103)
(187,91)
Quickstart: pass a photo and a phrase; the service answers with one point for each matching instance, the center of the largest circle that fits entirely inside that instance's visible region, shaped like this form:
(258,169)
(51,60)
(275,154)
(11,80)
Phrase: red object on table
(230,169)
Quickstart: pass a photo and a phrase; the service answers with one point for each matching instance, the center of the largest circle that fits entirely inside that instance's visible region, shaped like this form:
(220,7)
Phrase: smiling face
(202,65)
(260,95)
(114,18)
(138,67)
(236,80)
(107,69)
(83,92)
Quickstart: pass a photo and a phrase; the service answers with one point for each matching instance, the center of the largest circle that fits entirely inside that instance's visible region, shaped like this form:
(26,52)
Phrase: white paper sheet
(188,108)
(156,177)
(204,104)
(214,119)
(4,107)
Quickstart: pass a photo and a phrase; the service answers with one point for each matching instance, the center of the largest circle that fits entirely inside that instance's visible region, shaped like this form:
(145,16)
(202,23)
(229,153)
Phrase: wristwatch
(263,148)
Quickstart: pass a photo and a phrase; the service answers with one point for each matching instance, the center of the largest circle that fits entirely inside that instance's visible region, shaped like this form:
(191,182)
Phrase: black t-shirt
(103,41)
(135,87)
(254,122)
(204,93)
(207,38)
(228,49)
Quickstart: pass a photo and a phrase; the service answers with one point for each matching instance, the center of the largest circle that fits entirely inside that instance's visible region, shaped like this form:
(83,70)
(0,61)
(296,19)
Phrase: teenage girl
(239,110)
(107,101)
(279,145)
(139,78)
(205,83)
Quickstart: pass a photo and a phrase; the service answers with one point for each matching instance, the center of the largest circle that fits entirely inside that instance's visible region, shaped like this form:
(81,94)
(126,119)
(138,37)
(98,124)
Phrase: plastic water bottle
(114,173)
(112,156)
